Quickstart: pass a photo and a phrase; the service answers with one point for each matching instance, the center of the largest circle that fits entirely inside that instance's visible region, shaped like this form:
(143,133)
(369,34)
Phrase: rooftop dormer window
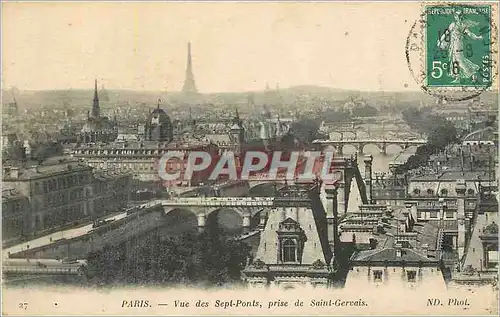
(289,251)
(291,239)
(377,276)
(411,276)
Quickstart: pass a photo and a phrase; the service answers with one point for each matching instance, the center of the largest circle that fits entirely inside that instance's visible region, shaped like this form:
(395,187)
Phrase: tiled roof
(390,255)
(428,234)
(104,175)
(453,176)
(45,170)
(447,225)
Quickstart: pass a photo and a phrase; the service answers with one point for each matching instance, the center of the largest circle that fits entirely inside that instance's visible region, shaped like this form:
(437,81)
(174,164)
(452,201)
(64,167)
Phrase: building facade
(293,249)
(16,210)
(110,191)
(141,159)
(60,192)
(394,267)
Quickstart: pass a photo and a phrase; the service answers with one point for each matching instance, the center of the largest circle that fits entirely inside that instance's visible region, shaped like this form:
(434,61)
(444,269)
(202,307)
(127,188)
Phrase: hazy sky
(236,46)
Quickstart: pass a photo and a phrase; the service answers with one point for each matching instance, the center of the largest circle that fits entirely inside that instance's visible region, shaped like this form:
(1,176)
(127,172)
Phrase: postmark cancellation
(452,49)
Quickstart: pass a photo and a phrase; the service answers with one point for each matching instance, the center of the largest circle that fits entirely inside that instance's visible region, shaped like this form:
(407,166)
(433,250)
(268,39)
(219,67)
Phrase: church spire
(189,83)
(96,112)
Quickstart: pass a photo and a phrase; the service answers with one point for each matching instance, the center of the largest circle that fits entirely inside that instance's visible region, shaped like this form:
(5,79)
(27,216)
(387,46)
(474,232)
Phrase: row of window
(411,276)
(435,214)
(436,204)
(12,228)
(442,192)
(60,183)
(104,188)
(175,166)
(110,200)
(122,152)
(125,166)
(63,215)
(12,206)
(56,199)
(450,204)
(310,226)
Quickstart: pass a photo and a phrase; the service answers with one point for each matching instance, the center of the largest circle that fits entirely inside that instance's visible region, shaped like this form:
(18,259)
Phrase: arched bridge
(382,144)
(263,179)
(202,207)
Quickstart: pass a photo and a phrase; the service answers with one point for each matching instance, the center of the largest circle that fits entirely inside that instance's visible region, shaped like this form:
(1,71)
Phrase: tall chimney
(425,249)
(331,216)
(460,189)
(444,208)
(368,159)
(263,218)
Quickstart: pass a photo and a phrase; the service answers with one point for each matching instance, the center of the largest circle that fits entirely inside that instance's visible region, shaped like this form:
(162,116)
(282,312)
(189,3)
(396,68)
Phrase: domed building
(158,126)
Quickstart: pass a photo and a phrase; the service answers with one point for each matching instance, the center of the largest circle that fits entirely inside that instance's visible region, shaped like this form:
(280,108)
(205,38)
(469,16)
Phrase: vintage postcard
(250,158)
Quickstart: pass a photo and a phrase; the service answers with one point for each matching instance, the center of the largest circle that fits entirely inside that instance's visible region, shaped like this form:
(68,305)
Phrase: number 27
(23,305)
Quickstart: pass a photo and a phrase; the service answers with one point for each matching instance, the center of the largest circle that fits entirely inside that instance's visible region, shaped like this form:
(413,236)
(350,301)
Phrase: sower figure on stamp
(452,40)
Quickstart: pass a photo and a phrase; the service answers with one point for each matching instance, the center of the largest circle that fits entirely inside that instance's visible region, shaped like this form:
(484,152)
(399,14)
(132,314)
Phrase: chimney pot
(14,172)
(425,249)
(398,248)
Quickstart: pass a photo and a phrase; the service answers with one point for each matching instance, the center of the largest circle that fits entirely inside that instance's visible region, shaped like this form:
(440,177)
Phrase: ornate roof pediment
(258,264)
(290,225)
(492,229)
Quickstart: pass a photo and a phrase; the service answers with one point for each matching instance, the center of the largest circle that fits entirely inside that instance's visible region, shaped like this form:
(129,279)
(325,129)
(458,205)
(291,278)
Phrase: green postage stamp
(458,45)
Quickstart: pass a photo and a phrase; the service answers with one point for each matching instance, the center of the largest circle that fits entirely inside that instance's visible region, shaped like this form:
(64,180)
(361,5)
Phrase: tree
(365,111)
(336,116)
(443,133)
(307,130)
(212,258)
(440,136)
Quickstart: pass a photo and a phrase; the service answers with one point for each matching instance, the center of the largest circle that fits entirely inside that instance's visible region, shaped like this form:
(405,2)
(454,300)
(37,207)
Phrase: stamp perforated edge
(455,93)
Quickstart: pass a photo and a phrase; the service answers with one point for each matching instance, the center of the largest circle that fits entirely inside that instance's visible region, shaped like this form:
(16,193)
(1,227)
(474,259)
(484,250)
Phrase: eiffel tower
(189,83)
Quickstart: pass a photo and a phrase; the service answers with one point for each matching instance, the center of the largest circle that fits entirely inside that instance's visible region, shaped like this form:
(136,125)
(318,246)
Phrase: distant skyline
(235,46)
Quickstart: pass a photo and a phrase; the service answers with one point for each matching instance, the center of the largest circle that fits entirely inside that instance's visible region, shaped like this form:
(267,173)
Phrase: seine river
(380,162)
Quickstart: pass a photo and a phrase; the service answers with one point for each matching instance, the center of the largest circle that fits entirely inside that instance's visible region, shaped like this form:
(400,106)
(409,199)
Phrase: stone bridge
(203,207)
(382,144)
(250,187)
(262,181)
(42,267)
